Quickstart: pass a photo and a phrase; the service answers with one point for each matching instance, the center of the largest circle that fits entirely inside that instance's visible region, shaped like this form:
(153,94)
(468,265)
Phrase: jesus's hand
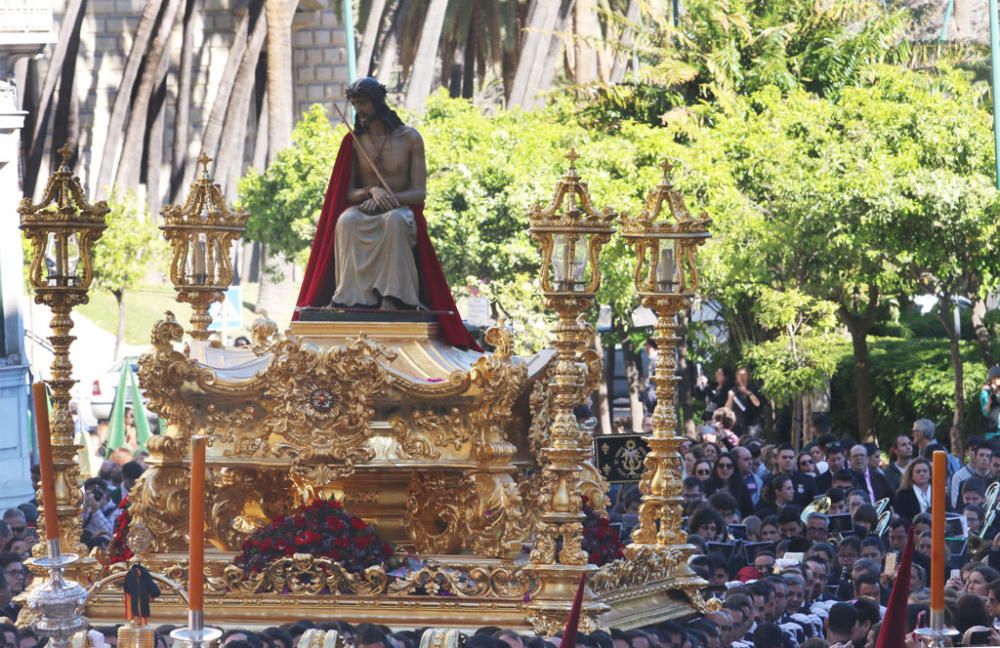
(383,198)
(369,206)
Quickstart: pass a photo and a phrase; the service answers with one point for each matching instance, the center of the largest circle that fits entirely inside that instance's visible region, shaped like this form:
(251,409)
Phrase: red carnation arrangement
(601,541)
(321,528)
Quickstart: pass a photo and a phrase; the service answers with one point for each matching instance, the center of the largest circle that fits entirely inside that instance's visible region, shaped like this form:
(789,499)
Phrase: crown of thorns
(366,88)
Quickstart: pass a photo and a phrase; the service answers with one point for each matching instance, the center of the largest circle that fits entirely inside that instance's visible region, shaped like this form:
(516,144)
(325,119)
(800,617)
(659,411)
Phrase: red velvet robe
(320,281)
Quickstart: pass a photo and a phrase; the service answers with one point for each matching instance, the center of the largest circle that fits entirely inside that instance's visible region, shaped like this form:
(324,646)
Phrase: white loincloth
(374,258)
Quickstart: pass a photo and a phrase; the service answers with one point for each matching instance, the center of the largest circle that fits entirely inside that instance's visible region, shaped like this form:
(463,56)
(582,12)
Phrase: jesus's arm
(417,192)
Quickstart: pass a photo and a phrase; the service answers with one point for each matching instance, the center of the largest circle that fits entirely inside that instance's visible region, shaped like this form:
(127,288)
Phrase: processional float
(472,465)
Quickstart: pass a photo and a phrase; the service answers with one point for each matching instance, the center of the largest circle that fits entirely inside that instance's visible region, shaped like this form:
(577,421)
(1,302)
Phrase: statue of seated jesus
(371,248)
(375,238)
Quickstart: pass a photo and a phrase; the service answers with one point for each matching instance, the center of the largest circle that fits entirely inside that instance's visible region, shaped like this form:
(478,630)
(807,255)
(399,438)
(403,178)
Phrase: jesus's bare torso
(399,156)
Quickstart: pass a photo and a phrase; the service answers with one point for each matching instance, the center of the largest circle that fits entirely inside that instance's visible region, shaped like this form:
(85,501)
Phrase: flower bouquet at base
(323,529)
(601,541)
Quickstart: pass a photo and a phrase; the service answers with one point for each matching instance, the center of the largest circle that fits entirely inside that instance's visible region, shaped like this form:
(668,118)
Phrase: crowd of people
(802,546)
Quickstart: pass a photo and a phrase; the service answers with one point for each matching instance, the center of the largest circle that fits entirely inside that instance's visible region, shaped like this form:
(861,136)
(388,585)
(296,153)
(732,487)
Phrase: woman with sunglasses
(806,464)
(727,478)
(703,471)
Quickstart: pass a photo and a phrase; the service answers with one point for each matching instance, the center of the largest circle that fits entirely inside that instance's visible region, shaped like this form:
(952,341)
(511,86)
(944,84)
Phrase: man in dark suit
(836,461)
(805,485)
(871,481)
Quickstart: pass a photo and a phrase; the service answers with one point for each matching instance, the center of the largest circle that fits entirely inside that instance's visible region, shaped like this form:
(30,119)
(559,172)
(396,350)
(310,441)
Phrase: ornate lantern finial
(571,233)
(665,248)
(666,276)
(201,233)
(62,230)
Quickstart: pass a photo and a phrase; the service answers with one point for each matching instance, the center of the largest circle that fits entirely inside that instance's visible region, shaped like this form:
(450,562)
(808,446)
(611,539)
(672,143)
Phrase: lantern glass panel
(569,262)
(62,259)
(668,272)
(197,272)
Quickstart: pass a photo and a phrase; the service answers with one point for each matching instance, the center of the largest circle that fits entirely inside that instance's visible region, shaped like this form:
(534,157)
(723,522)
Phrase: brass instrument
(819,505)
(881,506)
(979,544)
(884,519)
(884,516)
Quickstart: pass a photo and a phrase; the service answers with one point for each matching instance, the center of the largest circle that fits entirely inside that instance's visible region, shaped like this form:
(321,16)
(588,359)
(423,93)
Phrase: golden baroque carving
(159,501)
(164,370)
(323,401)
(642,564)
(483,512)
(551,624)
(435,513)
(228,520)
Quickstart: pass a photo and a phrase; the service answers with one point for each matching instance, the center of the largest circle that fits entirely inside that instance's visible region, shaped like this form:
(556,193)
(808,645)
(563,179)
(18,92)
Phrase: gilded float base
(629,606)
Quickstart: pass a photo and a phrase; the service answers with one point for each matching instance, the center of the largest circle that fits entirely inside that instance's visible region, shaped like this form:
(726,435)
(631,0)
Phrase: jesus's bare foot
(388,304)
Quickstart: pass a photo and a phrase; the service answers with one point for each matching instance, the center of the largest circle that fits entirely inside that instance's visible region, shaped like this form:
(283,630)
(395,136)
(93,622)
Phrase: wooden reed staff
(364,154)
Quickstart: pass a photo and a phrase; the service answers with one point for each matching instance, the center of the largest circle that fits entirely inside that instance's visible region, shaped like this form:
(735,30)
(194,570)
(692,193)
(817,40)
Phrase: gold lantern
(62,230)
(571,233)
(201,232)
(666,276)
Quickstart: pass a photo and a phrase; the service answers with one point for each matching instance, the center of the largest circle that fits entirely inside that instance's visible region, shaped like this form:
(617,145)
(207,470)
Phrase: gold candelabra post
(200,233)
(570,232)
(62,229)
(666,277)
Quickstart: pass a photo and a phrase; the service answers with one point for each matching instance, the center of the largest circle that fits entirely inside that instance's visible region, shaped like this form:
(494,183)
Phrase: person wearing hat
(989,403)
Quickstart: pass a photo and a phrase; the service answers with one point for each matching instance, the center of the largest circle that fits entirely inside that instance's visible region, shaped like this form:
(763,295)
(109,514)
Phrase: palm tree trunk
(234,139)
(130,166)
(557,47)
(182,113)
(620,64)
(369,37)
(280,90)
(422,75)
(217,117)
(69,40)
(389,56)
(119,110)
(260,143)
(587,31)
(540,50)
(65,124)
(154,141)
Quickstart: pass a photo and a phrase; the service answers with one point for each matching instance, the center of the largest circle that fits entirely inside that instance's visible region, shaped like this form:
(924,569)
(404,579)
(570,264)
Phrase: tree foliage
(130,247)
(285,200)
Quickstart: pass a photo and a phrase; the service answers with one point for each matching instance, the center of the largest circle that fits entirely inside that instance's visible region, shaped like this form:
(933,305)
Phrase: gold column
(571,233)
(201,232)
(62,229)
(666,277)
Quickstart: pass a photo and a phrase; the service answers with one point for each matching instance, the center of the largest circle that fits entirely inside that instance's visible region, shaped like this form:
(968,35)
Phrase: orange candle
(196,522)
(45,465)
(939,481)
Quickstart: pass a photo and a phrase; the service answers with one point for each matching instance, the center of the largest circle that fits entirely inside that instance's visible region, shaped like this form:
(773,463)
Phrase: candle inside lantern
(939,480)
(45,464)
(198,262)
(196,521)
(666,268)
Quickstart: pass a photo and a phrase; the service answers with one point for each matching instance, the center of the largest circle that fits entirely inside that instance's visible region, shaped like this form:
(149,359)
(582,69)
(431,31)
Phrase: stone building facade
(319,67)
